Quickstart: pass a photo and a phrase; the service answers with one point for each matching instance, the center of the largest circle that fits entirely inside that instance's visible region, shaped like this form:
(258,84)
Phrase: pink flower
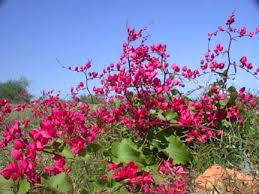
(230,20)
(145,178)
(16,154)
(12,170)
(59,161)
(242,31)
(18,144)
(112,166)
(221,28)
(146,189)
(80,85)
(51,170)
(219,133)
(77,144)
(158,89)
(179,184)
(251,34)
(175,68)
(58,167)
(15,129)
(243,60)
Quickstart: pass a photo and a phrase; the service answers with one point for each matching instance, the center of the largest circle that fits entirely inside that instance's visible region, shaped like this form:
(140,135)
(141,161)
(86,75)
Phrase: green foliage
(237,148)
(23,186)
(171,116)
(15,90)
(168,115)
(66,152)
(126,151)
(59,183)
(6,186)
(135,100)
(177,150)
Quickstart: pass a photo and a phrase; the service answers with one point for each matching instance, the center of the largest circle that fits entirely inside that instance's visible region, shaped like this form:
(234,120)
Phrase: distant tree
(15,90)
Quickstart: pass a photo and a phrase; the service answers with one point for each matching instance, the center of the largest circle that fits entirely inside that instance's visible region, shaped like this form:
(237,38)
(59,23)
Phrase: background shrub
(15,91)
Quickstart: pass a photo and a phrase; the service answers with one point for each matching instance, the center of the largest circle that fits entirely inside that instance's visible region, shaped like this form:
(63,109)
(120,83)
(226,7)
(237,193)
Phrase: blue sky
(33,33)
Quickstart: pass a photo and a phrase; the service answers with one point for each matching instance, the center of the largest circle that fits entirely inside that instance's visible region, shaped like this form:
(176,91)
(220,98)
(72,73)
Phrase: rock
(221,180)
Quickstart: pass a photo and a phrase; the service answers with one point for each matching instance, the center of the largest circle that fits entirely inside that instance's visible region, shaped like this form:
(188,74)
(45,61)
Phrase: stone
(222,180)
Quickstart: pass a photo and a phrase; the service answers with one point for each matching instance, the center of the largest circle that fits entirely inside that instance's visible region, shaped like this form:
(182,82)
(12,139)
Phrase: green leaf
(5,184)
(59,183)
(126,151)
(98,185)
(159,115)
(170,114)
(66,152)
(24,186)
(177,150)
(155,143)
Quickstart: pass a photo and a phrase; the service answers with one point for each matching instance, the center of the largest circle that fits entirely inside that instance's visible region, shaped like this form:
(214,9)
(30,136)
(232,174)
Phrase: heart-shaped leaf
(24,186)
(6,186)
(126,151)
(60,183)
(177,150)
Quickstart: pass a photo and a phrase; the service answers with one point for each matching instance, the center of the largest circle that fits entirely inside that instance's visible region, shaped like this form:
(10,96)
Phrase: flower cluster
(140,95)
(174,177)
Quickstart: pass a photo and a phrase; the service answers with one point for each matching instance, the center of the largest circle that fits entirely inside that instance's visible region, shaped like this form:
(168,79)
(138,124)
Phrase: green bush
(15,90)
